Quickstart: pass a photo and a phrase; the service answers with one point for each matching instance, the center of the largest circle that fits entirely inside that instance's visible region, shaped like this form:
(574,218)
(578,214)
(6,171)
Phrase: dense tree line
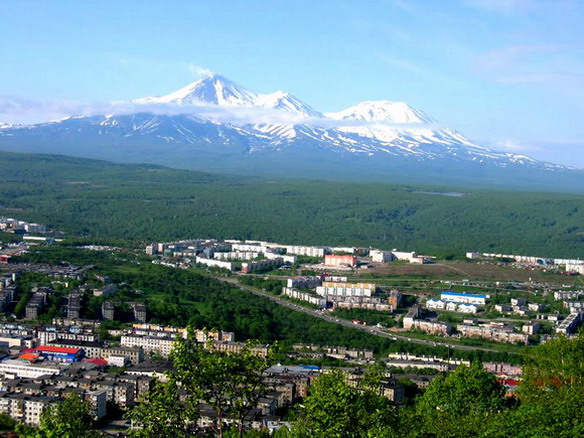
(106,200)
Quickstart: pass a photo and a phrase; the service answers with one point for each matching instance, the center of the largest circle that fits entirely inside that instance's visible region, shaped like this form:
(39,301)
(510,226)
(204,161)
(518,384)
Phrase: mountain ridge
(217,123)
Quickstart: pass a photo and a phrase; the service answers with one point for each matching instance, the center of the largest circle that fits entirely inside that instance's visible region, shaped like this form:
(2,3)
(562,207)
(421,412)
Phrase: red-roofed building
(98,361)
(30,357)
(60,354)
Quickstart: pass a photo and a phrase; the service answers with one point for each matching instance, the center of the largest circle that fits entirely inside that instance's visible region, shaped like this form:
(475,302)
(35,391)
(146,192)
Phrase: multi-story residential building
(74,305)
(215,263)
(346,289)
(17,368)
(150,344)
(246,268)
(434,304)
(36,303)
(247,247)
(382,307)
(494,332)
(431,327)
(379,256)
(105,291)
(568,295)
(234,255)
(139,310)
(25,408)
(334,260)
(318,301)
(569,324)
(107,310)
(394,299)
(304,282)
(290,259)
(463,297)
(236,347)
(309,251)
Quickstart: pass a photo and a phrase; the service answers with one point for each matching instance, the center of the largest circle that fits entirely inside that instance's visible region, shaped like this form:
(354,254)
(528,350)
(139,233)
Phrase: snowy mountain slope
(215,115)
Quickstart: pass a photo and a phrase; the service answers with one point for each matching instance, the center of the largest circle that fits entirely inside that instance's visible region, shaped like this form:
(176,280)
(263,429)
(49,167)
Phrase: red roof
(29,356)
(97,361)
(51,349)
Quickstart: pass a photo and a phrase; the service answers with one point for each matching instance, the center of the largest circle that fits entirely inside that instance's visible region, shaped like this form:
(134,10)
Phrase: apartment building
(305,296)
(463,297)
(346,289)
(334,260)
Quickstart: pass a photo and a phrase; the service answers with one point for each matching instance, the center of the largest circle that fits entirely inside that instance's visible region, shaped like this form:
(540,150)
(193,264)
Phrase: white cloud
(510,145)
(198,70)
(19,110)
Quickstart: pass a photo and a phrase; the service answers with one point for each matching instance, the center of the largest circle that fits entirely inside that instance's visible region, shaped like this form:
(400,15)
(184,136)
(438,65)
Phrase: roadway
(368,329)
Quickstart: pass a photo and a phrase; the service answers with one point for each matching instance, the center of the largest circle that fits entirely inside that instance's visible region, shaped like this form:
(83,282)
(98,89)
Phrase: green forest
(149,203)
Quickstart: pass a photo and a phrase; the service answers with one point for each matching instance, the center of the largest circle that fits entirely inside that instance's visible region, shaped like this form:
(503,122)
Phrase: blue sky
(509,74)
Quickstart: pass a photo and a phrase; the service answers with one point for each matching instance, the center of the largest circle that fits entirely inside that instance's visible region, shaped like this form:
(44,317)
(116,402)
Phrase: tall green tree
(162,414)
(458,404)
(69,418)
(550,395)
(230,382)
(336,410)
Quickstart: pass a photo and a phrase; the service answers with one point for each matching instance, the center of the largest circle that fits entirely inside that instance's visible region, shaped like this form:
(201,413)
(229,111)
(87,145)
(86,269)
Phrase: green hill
(145,202)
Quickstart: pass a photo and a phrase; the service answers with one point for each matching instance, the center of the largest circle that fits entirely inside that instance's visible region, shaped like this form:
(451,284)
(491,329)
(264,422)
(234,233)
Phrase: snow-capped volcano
(213,89)
(218,90)
(223,121)
(383,111)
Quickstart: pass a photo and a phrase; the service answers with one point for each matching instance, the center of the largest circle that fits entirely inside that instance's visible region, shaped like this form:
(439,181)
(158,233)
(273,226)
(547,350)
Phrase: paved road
(369,329)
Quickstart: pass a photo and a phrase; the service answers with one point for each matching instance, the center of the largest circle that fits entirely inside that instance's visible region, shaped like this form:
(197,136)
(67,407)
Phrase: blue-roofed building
(463,297)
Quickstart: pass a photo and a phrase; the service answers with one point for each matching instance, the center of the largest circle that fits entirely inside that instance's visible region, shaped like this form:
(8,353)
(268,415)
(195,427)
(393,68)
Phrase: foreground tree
(459,404)
(231,383)
(162,414)
(551,394)
(70,418)
(336,410)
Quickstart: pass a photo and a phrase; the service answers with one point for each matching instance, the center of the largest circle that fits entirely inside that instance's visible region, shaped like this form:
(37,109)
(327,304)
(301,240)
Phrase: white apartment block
(304,296)
(304,282)
(214,263)
(451,306)
(579,268)
(291,259)
(13,368)
(435,304)
(25,408)
(379,256)
(568,294)
(570,324)
(310,251)
(461,297)
(435,328)
(346,289)
(492,333)
(235,255)
(247,247)
(150,344)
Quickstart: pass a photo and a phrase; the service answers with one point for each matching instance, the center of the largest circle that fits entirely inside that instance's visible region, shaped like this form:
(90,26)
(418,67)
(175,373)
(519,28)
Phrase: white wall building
(346,289)
(214,263)
(304,296)
(379,256)
(462,297)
